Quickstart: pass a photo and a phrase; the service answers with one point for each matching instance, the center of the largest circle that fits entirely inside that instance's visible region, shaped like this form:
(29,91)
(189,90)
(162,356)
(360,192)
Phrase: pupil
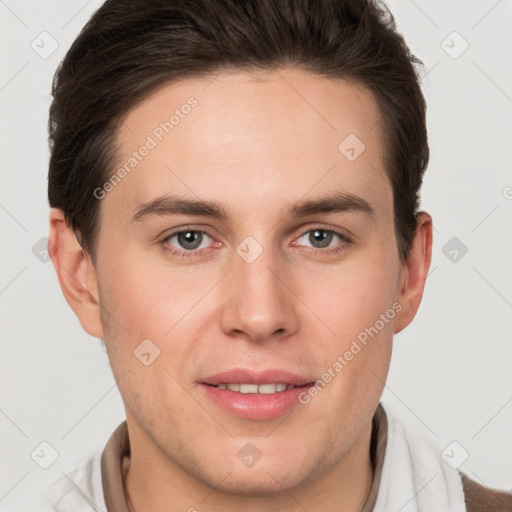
(320,236)
(189,239)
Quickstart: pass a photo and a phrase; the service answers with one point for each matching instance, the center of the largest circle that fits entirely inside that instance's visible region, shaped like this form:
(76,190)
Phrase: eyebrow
(174,205)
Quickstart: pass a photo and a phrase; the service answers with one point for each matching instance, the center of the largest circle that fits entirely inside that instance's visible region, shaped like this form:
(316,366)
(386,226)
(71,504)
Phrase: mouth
(262,389)
(254,395)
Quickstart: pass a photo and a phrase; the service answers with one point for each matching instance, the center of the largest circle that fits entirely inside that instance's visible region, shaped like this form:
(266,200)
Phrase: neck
(153,482)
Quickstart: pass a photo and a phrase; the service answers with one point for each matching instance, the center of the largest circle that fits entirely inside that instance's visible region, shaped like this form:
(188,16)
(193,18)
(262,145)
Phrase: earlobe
(76,274)
(414,272)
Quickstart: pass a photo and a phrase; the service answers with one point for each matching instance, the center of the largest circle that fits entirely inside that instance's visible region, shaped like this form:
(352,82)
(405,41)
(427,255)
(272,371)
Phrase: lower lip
(254,406)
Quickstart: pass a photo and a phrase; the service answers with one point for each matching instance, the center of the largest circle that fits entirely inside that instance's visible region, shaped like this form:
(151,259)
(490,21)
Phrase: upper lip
(246,376)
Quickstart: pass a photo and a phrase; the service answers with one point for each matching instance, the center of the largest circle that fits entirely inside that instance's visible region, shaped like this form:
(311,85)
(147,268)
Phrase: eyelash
(188,254)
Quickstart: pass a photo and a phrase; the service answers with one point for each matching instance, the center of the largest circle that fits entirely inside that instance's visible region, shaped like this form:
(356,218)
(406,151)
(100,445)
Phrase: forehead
(252,139)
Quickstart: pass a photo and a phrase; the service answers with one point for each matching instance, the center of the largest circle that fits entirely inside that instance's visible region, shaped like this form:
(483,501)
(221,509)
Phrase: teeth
(267,389)
(262,389)
(248,388)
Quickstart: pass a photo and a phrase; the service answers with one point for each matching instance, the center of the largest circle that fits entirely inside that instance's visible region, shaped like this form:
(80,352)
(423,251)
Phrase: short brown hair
(130,47)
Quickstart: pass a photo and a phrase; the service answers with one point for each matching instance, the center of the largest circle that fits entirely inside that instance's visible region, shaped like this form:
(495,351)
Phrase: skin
(256,143)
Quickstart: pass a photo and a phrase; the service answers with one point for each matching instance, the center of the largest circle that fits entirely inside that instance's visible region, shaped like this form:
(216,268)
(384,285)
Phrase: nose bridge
(259,278)
(258,302)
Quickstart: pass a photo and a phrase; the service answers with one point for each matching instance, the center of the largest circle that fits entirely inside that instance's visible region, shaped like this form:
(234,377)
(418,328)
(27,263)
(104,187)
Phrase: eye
(321,238)
(188,240)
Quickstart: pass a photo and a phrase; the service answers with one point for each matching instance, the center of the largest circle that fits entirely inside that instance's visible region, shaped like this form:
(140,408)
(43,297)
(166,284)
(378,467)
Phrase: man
(234,189)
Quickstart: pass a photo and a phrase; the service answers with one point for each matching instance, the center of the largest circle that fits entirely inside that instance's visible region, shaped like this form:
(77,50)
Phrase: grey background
(450,370)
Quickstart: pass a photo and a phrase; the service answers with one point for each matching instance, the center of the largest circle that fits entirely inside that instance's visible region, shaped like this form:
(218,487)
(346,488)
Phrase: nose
(260,304)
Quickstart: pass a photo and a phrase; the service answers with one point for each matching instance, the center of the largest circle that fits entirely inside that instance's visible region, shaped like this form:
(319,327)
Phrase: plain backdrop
(451,368)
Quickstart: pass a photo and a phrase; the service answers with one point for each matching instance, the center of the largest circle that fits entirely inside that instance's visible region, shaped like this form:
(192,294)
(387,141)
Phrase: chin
(265,477)
(265,482)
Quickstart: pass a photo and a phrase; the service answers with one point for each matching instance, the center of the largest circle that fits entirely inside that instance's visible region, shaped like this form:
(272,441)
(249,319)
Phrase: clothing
(408,475)
(414,476)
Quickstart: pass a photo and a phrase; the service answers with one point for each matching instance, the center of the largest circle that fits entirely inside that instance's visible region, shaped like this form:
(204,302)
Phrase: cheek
(357,302)
(154,302)
(351,296)
(148,300)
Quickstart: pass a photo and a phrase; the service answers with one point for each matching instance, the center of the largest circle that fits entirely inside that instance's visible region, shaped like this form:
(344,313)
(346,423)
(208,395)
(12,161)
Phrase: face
(287,262)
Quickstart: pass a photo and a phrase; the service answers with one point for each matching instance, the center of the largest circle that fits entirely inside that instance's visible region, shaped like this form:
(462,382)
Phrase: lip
(254,406)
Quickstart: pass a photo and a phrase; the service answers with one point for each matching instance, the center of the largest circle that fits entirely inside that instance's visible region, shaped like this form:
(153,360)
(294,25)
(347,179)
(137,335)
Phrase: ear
(76,273)
(414,272)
